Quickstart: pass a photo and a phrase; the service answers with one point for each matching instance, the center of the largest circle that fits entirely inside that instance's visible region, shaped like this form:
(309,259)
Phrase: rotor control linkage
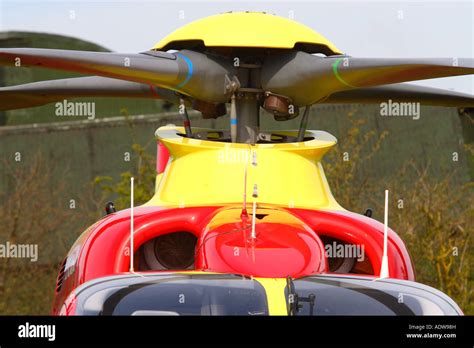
(303,124)
(186,123)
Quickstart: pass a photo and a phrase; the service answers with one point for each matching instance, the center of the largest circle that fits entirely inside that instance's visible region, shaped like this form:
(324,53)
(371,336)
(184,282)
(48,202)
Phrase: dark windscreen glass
(346,298)
(181,297)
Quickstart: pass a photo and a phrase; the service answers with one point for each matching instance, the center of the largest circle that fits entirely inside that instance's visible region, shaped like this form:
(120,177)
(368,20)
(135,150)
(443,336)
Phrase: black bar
(242,330)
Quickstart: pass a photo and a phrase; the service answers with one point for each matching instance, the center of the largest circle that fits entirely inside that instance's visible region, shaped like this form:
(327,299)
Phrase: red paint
(359,229)
(162,158)
(279,250)
(225,244)
(104,248)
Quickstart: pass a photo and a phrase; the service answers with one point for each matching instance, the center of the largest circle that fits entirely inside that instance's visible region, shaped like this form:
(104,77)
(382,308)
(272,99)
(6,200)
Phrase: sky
(358,28)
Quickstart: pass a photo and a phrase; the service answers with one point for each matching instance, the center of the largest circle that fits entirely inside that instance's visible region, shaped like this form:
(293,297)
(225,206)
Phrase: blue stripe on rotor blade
(233,121)
(190,70)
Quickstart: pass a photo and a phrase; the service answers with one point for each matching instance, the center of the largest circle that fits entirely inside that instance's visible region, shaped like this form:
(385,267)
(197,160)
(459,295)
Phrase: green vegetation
(434,217)
(144,174)
(431,211)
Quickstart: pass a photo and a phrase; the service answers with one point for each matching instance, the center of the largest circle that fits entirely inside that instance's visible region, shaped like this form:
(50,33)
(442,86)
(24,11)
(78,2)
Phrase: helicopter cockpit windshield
(348,295)
(172,295)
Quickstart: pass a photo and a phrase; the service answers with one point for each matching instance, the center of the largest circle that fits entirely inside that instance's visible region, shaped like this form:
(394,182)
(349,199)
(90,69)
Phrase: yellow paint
(246,29)
(233,215)
(158,180)
(275,289)
(203,173)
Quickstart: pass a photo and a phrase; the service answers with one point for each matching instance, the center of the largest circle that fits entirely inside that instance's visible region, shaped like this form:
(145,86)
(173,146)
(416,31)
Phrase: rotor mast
(248,113)
(247,101)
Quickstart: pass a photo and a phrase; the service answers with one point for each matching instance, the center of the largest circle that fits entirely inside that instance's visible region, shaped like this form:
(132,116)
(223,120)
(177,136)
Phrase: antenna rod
(254,195)
(384,272)
(254,210)
(244,206)
(131,225)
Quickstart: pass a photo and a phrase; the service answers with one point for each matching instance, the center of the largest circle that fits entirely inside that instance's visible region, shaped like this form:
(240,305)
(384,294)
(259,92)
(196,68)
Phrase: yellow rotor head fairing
(247,29)
(206,173)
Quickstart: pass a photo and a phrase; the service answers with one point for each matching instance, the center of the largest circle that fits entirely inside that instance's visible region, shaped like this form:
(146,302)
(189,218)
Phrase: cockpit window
(350,296)
(188,295)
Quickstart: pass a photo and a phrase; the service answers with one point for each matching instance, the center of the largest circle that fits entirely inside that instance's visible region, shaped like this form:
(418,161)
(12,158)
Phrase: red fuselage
(289,242)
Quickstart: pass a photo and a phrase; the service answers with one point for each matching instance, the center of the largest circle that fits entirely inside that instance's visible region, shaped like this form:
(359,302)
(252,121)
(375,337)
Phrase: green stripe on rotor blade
(336,73)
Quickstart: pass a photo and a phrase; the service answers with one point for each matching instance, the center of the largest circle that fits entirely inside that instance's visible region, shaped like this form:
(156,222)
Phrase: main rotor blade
(401,93)
(306,78)
(185,71)
(45,92)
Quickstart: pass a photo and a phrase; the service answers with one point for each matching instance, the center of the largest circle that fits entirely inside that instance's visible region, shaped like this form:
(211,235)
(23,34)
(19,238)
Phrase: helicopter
(242,221)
